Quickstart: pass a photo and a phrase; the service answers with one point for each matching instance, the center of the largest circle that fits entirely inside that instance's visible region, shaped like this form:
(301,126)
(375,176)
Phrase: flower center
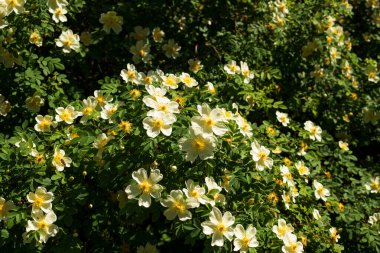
(111,112)
(221,228)
(179,206)
(158,123)
(39,201)
(199,144)
(163,108)
(58,11)
(43,225)
(142,53)
(320,190)
(65,116)
(262,155)
(209,122)
(372,74)
(194,194)
(145,186)
(101,101)
(293,247)
(45,124)
(88,110)
(375,185)
(302,169)
(245,241)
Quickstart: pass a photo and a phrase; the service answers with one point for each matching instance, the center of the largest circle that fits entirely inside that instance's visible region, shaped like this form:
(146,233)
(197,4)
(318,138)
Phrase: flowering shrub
(247,126)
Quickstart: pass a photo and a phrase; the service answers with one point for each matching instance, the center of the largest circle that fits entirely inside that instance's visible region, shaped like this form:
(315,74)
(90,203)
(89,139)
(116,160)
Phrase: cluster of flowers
(284,232)
(42,214)
(280,10)
(5,106)
(67,40)
(141,50)
(374,6)
(232,68)
(179,202)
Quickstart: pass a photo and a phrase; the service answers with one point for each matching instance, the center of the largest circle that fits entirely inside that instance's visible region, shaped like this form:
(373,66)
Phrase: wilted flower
(126,126)
(316,214)
(214,190)
(374,219)
(85,37)
(34,103)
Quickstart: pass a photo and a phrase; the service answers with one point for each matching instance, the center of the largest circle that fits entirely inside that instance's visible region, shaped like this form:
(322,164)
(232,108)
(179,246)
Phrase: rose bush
(223,126)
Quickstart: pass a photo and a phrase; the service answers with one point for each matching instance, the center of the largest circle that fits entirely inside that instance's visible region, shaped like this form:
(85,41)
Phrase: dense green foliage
(88,95)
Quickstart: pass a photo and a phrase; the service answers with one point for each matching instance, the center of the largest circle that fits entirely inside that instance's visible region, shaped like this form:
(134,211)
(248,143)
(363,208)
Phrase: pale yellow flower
(146,187)
(69,41)
(44,123)
(43,224)
(35,38)
(41,199)
(111,21)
